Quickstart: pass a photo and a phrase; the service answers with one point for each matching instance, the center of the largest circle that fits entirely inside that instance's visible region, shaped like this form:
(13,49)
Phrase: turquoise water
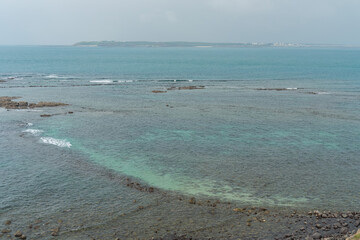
(232,140)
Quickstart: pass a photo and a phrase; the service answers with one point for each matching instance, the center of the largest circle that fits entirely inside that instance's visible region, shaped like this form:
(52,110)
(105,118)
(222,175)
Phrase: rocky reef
(8,103)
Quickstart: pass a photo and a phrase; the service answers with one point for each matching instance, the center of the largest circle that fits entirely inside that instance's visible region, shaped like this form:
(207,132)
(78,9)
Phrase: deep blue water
(239,139)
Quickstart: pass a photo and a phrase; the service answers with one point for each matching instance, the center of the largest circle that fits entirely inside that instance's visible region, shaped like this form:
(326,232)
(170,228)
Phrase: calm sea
(271,127)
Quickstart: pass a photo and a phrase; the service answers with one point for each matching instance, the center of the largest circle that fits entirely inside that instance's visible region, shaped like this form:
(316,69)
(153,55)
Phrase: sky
(63,22)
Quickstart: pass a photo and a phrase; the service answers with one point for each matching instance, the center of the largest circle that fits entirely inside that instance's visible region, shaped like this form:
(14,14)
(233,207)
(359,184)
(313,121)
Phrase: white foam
(291,88)
(29,124)
(56,142)
(101,81)
(52,76)
(35,132)
(125,81)
(324,93)
(28,110)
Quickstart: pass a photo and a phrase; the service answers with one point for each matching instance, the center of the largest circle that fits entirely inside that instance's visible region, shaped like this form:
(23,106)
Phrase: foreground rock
(8,103)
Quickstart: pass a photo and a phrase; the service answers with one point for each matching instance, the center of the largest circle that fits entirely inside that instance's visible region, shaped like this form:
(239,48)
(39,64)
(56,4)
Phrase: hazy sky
(70,21)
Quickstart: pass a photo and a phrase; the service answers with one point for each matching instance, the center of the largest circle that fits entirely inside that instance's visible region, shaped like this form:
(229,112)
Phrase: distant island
(181,44)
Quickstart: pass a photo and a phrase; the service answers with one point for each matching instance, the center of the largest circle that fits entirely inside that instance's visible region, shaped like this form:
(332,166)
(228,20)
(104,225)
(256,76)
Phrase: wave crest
(56,142)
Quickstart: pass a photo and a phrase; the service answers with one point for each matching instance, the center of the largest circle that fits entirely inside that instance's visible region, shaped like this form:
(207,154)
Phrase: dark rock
(7,222)
(6,230)
(316,235)
(336,225)
(55,231)
(344,230)
(70,112)
(22,237)
(159,91)
(151,189)
(192,200)
(18,233)
(45,115)
(357,223)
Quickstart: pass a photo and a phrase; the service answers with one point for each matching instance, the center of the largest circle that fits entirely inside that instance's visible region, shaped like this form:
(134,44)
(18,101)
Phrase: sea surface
(272,127)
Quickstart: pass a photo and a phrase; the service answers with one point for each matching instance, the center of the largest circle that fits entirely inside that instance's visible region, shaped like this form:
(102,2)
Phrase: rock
(7,222)
(70,112)
(344,215)
(238,210)
(159,91)
(151,189)
(55,231)
(18,233)
(357,223)
(316,235)
(6,230)
(22,237)
(192,200)
(45,115)
(344,230)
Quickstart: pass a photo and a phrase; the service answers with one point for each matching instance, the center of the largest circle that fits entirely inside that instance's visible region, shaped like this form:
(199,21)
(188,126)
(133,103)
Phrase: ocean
(264,127)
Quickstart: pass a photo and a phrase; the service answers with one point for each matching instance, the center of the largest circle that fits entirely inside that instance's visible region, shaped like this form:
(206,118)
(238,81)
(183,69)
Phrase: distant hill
(175,44)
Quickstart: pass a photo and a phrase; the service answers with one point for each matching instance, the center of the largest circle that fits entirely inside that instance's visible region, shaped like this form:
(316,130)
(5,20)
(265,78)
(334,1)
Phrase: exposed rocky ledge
(8,103)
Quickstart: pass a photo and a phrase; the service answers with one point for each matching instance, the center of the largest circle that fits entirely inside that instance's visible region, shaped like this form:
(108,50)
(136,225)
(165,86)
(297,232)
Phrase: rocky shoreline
(244,222)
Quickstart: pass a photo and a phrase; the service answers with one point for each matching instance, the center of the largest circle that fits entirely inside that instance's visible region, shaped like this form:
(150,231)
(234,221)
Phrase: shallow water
(272,127)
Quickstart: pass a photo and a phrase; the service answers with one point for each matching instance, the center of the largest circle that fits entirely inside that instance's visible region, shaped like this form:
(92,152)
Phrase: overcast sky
(70,21)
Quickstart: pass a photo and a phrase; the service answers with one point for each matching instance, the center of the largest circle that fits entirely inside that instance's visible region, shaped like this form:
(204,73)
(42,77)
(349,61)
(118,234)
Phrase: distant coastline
(147,44)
